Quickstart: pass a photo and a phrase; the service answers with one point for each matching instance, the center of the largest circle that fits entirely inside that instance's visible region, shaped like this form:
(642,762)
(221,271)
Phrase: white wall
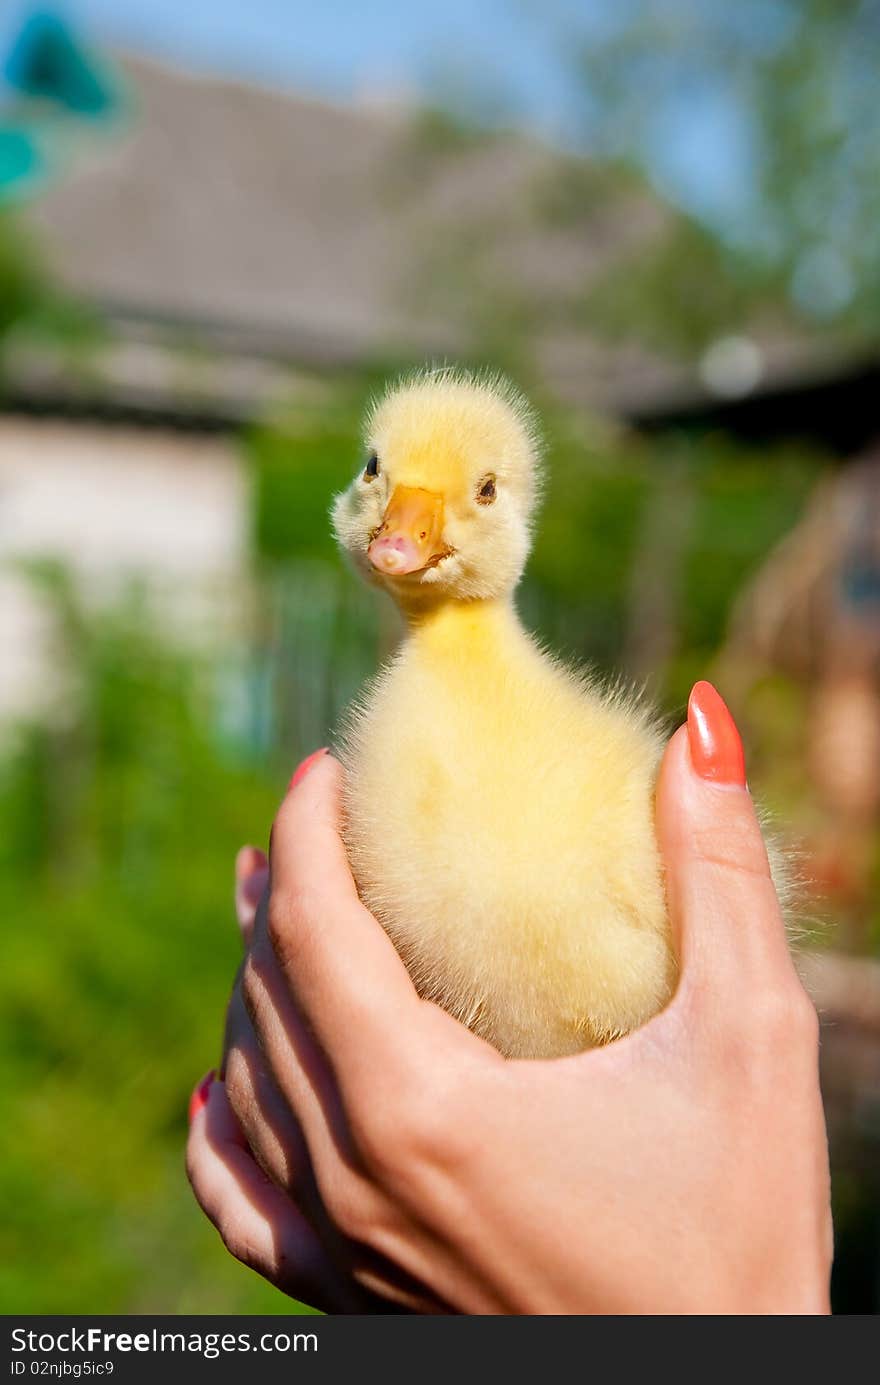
(113,503)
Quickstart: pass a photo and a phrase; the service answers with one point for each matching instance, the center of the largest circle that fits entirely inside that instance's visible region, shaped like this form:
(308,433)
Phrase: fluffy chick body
(498,806)
(499,822)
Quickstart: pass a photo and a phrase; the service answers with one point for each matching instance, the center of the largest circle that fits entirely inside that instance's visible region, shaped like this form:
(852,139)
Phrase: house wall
(114,504)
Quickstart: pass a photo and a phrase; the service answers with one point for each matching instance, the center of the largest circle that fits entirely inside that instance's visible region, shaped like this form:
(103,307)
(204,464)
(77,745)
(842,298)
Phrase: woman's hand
(366,1151)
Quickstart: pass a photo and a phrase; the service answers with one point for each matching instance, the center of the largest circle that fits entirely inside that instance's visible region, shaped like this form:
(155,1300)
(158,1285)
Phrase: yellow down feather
(498,806)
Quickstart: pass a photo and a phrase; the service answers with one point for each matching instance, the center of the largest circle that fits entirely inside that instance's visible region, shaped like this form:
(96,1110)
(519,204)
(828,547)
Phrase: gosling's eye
(486,492)
(372,468)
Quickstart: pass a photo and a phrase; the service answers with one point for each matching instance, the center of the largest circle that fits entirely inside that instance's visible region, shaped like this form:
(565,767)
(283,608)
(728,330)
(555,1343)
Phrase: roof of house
(270,228)
(230,234)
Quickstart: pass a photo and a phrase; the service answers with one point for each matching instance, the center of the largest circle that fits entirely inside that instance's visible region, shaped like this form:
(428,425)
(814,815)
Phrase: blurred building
(114,505)
(82,484)
(235,249)
(238,248)
(232,238)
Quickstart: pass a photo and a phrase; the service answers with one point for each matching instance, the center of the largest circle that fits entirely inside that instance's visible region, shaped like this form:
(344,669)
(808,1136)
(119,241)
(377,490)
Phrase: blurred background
(221,227)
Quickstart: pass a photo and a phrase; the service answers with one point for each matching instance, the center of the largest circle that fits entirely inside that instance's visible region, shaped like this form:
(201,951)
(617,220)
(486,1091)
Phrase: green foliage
(677,293)
(441,132)
(789,94)
(21,284)
(31,305)
(575,590)
(118,830)
(744,502)
(298,475)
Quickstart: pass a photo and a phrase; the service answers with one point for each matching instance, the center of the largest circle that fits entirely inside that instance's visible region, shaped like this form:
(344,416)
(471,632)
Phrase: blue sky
(509,55)
(341,50)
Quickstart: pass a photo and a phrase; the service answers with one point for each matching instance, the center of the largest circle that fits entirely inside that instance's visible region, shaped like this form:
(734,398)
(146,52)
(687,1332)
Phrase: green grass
(119,834)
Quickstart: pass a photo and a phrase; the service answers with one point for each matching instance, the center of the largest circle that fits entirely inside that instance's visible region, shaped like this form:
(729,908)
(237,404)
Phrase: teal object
(47,63)
(21,160)
(49,83)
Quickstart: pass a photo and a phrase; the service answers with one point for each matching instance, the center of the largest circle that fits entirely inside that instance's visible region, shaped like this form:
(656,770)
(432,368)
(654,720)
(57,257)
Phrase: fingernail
(249,860)
(305,767)
(716,748)
(199,1098)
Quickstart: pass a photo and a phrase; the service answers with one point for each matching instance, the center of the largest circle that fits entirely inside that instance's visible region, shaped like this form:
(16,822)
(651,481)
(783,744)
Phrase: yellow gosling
(499,806)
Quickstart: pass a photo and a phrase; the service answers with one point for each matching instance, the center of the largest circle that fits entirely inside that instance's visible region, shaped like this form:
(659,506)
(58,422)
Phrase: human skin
(367,1153)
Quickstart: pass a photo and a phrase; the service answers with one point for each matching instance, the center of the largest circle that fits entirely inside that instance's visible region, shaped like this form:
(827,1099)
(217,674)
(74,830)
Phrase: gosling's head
(441,508)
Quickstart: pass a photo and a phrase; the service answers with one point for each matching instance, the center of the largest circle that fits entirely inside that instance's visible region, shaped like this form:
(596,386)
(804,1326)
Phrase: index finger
(348,981)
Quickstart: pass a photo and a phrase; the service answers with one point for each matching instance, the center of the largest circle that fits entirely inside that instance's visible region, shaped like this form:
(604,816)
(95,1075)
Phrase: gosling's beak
(410,536)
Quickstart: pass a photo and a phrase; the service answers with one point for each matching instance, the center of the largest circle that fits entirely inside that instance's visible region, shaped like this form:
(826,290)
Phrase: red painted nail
(199,1098)
(716,748)
(305,767)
